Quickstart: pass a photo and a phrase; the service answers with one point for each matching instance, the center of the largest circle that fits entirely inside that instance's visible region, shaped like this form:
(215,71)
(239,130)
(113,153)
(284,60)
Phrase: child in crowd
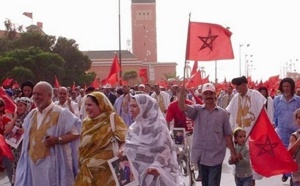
(242,169)
(294,149)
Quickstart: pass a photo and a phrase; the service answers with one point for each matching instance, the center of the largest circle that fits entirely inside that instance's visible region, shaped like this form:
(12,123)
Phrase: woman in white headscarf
(149,145)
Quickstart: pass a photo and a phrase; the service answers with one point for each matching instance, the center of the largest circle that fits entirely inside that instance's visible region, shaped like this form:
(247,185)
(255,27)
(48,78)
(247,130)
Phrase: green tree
(130,76)
(87,79)
(170,75)
(5,45)
(76,64)
(40,57)
(32,63)
(29,39)
(20,73)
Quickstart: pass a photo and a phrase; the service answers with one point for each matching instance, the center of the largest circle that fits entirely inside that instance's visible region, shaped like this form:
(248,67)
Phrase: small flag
(73,86)
(7,82)
(28,14)
(5,149)
(115,69)
(96,83)
(143,75)
(195,80)
(10,105)
(195,68)
(16,85)
(56,83)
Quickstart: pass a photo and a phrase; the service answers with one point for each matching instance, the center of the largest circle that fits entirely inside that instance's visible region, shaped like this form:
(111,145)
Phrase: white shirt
(73,105)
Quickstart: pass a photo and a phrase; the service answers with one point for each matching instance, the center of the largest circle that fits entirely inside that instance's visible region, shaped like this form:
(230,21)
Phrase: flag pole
(216,76)
(186,50)
(120,55)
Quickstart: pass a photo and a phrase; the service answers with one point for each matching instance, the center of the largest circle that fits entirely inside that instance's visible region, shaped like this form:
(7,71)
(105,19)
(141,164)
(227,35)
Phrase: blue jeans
(211,175)
(247,181)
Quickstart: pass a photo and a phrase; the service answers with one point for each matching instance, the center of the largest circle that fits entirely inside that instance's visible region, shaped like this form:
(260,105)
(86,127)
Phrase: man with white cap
(107,91)
(141,87)
(212,133)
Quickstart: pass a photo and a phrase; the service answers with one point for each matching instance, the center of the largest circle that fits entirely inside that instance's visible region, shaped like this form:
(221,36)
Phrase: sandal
(284,178)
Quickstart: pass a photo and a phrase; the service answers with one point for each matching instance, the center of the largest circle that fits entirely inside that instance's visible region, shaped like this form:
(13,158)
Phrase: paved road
(226,180)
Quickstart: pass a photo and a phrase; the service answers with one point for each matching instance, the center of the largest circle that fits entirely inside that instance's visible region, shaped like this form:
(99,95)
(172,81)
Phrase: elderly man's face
(242,89)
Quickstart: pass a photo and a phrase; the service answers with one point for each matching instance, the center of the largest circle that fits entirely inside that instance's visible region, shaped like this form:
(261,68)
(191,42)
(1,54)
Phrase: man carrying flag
(211,135)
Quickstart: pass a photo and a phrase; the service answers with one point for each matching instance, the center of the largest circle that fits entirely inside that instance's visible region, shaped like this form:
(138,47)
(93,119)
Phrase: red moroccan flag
(4,149)
(123,82)
(162,83)
(268,155)
(114,71)
(298,83)
(73,86)
(143,75)
(96,83)
(195,68)
(251,84)
(195,80)
(28,14)
(205,80)
(112,79)
(207,41)
(197,98)
(7,82)
(15,85)
(10,105)
(56,83)
(274,79)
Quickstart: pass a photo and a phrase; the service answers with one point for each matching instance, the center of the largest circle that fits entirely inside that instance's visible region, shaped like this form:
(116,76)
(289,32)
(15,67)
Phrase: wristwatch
(60,140)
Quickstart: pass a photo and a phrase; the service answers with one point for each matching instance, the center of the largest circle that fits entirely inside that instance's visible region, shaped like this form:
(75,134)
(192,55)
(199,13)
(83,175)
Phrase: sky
(269,27)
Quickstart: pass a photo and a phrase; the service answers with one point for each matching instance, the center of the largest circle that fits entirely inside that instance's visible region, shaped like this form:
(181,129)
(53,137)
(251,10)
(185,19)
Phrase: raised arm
(181,102)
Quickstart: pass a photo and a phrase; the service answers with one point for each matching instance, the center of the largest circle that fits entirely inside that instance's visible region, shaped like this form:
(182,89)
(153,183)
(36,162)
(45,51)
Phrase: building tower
(143,18)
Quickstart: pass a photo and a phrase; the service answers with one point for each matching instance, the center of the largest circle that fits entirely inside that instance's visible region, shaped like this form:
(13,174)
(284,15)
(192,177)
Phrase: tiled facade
(143,23)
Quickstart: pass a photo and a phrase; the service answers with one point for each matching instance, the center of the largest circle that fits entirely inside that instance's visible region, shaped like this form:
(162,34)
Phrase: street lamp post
(240,59)
(240,56)
(248,58)
(203,73)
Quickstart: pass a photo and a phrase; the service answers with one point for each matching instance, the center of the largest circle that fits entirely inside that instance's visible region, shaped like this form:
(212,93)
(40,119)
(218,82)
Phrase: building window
(144,15)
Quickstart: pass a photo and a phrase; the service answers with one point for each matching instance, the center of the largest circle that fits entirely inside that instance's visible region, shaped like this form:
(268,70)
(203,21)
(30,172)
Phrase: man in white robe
(49,130)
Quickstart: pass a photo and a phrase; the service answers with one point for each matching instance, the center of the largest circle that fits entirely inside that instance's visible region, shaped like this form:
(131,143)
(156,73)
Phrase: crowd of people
(67,134)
